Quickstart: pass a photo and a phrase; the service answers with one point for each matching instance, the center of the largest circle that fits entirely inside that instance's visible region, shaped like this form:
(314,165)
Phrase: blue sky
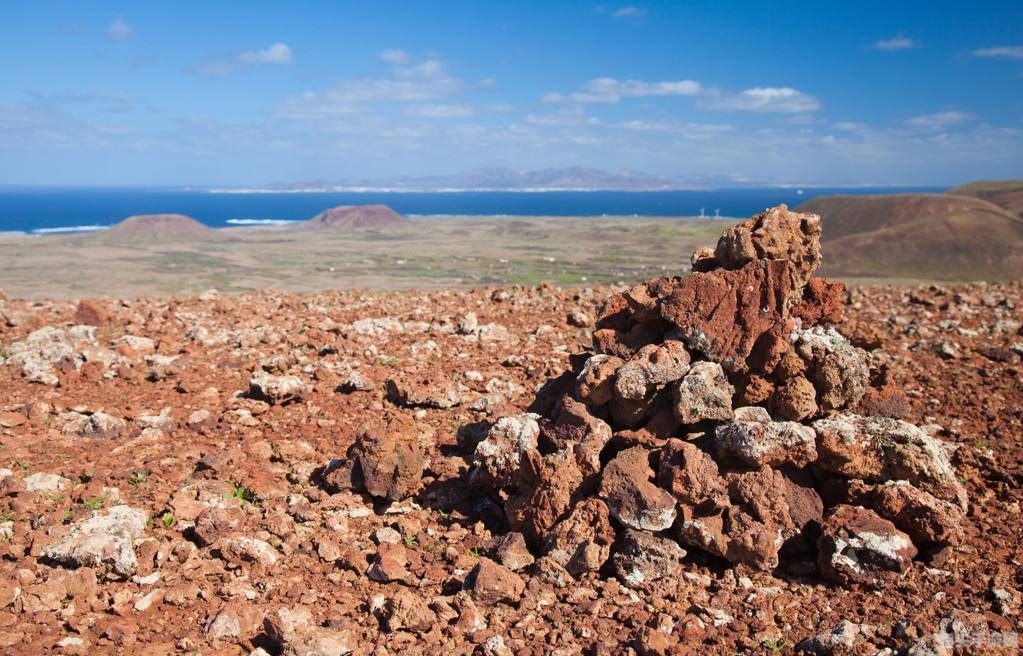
(246,93)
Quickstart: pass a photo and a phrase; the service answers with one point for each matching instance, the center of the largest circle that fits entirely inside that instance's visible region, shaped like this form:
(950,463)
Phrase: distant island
(575,178)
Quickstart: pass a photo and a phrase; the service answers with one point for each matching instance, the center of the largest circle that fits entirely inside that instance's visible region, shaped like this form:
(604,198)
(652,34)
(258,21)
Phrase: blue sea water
(43,210)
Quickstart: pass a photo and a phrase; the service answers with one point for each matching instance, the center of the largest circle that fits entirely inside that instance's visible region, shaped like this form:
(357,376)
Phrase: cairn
(715,413)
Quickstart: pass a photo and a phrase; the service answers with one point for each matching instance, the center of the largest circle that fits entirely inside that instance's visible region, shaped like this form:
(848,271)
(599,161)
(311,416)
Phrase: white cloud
(278,53)
(940,120)
(566,117)
(693,131)
(409,82)
(782,100)
(896,43)
(1001,52)
(630,12)
(395,56)
(611,90)
(439,111)
(120,30)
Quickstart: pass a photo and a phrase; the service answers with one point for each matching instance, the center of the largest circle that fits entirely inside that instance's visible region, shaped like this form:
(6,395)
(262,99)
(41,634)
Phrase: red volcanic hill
(1007,194)
(357,217)
(919,236)
(157,228)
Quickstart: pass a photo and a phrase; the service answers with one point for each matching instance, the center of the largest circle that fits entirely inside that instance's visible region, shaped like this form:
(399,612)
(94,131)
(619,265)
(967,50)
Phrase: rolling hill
(155,229)
(918,236)
(1007,194)
(357,217)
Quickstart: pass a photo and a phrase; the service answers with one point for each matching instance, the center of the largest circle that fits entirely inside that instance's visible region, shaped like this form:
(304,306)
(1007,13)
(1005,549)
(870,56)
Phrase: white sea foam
(80,228)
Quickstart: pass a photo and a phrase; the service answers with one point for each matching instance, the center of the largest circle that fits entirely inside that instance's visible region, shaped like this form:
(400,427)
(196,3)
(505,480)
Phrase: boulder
(90,313)
(775,234)
(497,457)
(511,551)
(631,496)
(840,372)
(387,458)
(576,429)
(704,393)
(651,366)
(594,385)
(582,541)
(423,392)
(922,516)
(692,475)
(489,584)
(644,558)
(878,449)
(858,547)
(546,486)
(752,439)
(50,350)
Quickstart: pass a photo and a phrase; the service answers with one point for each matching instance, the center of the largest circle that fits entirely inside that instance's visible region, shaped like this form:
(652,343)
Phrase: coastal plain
(420,253)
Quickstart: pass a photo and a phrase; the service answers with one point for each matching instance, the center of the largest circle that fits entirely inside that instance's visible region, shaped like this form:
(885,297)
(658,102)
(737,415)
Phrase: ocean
(55,210)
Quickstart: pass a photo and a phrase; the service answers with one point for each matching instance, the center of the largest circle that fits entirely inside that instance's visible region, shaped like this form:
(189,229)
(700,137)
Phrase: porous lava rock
(386,459)
(715,412)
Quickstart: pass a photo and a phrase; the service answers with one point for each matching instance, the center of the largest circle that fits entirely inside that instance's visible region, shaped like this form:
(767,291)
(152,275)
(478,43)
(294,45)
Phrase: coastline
(258,224)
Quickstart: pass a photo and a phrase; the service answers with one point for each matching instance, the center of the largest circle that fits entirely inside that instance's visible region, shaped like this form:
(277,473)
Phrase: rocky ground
(292,473)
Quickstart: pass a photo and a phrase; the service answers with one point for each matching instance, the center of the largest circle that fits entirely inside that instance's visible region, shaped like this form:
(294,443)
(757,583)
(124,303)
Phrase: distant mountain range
(575,178)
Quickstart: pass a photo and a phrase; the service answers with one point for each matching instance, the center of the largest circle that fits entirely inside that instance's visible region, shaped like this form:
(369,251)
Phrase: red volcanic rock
(216,522)
(512,552)
(775,234)
(389,564)
(823,302)
(877,449)
(753,440)
(652,365)
(691,475)
(577,429)
(386,459)
(631,496)
(582,541)
(922,516)
(595,383)
(644,558)
(91,313)
(546,486)
(357,217)
(489,583)
(723,313)
(427,391)
(704,393)
(858,547)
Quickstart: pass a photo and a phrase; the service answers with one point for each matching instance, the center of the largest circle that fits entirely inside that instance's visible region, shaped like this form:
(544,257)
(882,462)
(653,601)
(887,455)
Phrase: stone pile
(715,414)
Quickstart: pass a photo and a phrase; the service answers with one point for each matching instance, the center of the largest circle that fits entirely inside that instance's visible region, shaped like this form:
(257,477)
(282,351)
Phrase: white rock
(277,389)
(107,539)
(45,482)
